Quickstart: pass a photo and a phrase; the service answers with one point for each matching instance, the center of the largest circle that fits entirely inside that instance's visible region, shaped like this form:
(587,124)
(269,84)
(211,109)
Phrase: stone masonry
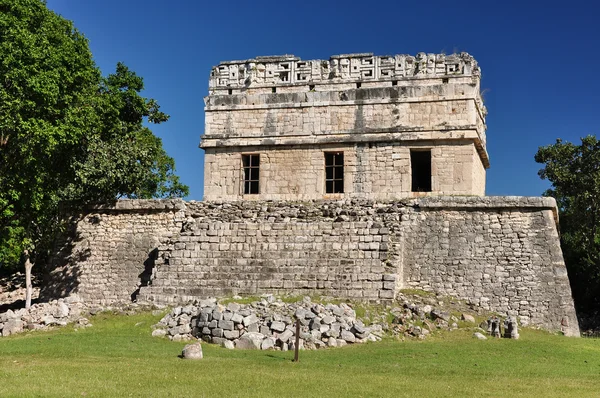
(375,110)
(353,177)
(502,253)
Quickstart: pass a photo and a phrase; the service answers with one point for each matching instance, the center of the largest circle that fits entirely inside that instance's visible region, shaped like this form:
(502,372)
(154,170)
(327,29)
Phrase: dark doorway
(420,167)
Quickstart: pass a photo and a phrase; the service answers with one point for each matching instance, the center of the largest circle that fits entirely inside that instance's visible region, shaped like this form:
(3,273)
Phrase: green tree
(67,135)
(574,172)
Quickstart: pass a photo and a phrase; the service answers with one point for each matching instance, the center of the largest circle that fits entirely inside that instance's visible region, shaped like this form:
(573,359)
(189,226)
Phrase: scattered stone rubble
(61,312)
(12,289)
(268,324)
(42,316)
(271,324)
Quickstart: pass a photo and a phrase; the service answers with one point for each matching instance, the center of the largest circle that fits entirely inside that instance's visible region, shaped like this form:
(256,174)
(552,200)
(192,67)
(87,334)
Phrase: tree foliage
(574,172)
(67,134)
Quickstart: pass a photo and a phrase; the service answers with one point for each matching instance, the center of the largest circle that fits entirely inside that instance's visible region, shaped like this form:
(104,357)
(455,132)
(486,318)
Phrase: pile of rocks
(41,316)
(12,290)
(268,324)
(413,320)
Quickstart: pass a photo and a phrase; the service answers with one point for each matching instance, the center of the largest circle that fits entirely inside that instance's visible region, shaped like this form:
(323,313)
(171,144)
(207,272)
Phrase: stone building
(287,134)
(353,126)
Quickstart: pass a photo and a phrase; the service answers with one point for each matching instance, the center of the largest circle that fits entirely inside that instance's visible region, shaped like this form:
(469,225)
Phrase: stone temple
(353,177)
(353,126)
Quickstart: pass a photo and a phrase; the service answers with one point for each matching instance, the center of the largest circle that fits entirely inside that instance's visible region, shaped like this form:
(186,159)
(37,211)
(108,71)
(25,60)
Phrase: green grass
(117,358)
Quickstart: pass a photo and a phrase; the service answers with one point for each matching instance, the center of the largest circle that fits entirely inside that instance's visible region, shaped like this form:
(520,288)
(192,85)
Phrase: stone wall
(504,259)
(374,109)
(499,252)
(379,171)
(110,250)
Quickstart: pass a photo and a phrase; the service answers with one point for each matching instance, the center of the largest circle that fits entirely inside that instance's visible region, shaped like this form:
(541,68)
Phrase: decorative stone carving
(289,69)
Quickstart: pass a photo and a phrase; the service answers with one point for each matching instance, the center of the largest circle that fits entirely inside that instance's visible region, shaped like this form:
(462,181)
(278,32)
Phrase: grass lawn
(118,357)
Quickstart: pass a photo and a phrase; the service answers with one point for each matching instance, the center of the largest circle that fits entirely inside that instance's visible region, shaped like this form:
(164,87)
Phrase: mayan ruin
(353,126)
(355,178)
(316,199)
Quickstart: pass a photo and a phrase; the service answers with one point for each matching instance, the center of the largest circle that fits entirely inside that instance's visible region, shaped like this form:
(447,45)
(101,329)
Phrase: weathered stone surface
(43,315)
(524,278)
(231,334)
(159,333)
(250,319)
(268,343)
(293,125)
(348,336)
(468,318)
(237,318)
(479,336)
(12,326)
(218,340)
(185,329)
(48,320)
(438,314)
(285,336)
(192,351)
(278,326)
(250,341)
(61,311)
(226,325)
(341,343)
(230,345)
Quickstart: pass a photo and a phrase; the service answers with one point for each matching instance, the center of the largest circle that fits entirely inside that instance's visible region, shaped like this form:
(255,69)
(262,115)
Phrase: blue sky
(540,60)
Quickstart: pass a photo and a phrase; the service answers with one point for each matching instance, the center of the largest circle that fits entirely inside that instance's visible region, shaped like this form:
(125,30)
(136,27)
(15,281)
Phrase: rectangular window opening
(420,167)
(334,172)
(394,82)
(358,85)
(251,164)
